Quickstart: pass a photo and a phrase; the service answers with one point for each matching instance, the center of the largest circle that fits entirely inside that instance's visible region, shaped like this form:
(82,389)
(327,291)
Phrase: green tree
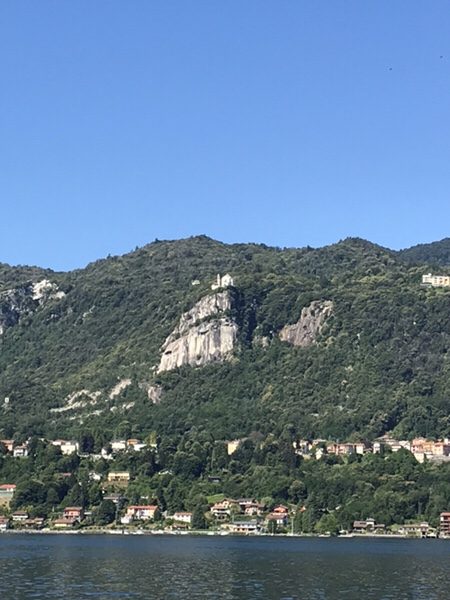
(105,513)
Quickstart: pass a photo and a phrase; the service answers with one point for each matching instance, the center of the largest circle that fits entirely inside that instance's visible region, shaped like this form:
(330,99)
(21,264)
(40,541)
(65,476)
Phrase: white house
(223,282)
(183,517)
(20,451)
(67,447)
(138,512)
(119,445)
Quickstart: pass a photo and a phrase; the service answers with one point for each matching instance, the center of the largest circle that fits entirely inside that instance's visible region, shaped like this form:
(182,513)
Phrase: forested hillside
(435,254)
(85,352)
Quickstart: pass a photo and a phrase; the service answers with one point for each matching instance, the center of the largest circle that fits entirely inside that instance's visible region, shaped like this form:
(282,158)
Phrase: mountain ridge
(116,313)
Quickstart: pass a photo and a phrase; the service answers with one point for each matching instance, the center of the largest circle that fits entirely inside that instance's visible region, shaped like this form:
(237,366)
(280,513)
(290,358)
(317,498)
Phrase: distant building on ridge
(436,280)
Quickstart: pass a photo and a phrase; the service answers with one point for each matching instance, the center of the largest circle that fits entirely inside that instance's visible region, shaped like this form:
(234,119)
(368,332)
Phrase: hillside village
(116,511)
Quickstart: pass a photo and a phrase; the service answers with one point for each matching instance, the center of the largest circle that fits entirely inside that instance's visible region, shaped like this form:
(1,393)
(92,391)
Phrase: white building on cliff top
(223,282)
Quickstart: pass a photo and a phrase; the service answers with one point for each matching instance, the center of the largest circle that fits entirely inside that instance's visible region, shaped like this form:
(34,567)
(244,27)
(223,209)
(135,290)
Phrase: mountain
(338,342)
(436,254)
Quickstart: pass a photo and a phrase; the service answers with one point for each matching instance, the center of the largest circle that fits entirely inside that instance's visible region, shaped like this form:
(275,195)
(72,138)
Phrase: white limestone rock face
(119,388)
(45,289)
(204,334)
(304,333)
(24,300)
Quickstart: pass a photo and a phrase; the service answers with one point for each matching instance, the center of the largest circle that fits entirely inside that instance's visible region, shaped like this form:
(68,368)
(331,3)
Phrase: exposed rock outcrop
(119,388)
(304,333)
(46,290)
(203,335)
(78,400)
(154,393)
(24,300)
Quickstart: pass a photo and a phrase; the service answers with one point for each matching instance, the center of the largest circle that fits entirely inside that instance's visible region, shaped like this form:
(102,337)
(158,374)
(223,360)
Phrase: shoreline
(206,533)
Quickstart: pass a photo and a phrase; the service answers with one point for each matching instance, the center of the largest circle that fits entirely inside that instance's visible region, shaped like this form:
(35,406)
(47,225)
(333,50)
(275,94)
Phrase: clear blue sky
(288,122)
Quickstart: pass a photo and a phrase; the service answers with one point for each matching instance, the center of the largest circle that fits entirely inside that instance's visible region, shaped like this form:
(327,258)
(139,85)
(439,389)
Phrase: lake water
(229,568)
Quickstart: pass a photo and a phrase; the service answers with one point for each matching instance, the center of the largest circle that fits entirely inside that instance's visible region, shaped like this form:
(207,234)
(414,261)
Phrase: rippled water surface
(231,568)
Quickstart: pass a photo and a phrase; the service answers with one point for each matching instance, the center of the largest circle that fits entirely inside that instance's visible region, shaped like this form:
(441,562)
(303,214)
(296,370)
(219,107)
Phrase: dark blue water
(231,568)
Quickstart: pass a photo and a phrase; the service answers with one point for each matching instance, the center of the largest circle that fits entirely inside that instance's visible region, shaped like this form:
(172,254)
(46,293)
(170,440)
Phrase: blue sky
(288,122)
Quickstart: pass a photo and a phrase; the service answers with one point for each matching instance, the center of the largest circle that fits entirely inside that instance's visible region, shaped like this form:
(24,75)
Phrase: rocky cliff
(24,300)
(203,335)
(304,333)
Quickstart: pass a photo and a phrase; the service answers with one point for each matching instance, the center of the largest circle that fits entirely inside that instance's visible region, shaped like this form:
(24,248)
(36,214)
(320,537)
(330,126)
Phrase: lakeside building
(245,527)
(444,524)
(368,526)
(182,517)
(74,512)
(139,512)
(64,523)
(417,530)
(280,519)
(19,516)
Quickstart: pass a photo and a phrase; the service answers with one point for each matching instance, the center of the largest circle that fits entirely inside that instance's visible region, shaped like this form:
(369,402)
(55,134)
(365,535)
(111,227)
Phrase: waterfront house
(280,519)
(19,516)
(368,526)
(141,512)
(74,512)
(245,527)
(36,523)
(444,524)
(279,515)
(182,517)
(4,523)
(417,530)
(64,523)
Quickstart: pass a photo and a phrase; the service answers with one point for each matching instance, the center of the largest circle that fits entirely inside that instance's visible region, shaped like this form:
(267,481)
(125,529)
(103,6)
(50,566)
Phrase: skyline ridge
(137,248)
